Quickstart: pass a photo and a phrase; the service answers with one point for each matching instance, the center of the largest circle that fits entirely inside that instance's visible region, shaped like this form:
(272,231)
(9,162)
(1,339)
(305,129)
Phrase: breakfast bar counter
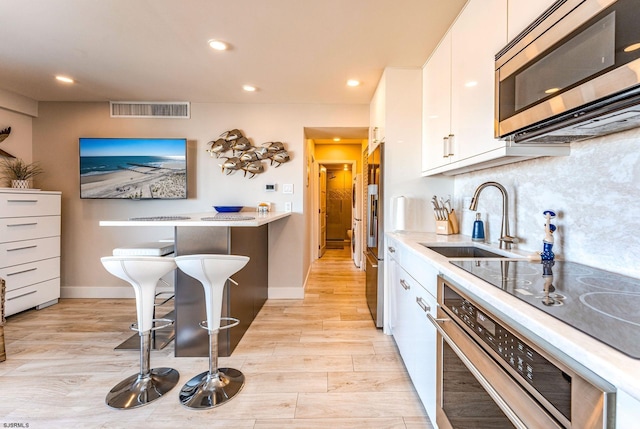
(243,233)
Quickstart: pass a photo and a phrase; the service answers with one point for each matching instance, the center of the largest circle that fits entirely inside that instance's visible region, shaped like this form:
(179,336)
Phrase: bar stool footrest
(233,320)
(168,322)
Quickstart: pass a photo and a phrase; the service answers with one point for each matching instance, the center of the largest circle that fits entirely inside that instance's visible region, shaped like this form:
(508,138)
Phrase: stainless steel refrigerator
(375,235)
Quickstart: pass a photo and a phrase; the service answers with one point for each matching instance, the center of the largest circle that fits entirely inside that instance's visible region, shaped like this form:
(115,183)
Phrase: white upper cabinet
(459,94)
(436,106)
(479,32)
(377,114)
(521,13)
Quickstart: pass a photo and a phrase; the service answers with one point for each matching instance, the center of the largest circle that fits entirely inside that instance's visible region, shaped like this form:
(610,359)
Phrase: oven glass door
(464,401)
(474,391)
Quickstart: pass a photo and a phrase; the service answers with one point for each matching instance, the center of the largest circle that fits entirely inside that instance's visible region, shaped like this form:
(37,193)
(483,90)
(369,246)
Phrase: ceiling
(347,135)
(293,51)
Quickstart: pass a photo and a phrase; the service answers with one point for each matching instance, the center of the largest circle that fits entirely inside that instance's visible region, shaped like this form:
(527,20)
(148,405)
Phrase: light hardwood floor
(312,363)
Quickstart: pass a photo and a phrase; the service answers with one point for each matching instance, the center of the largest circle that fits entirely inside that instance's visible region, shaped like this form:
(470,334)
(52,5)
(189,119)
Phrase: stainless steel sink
(463,251)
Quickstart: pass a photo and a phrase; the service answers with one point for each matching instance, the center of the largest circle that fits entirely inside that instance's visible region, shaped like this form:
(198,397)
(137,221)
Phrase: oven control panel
(512,350)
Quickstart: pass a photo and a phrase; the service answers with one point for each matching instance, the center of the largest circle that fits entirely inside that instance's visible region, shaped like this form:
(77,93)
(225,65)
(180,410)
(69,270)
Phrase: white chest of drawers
(30,248)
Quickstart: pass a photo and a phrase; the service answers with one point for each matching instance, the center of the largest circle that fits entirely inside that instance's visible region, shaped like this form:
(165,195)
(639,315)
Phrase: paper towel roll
(400,213)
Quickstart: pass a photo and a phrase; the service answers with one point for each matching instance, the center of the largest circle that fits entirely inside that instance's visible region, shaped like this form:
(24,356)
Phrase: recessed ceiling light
(471,84)
(551,90)
(218,45)
(632,48)
(249,88)
(64,79)
(353,82)
(336,139)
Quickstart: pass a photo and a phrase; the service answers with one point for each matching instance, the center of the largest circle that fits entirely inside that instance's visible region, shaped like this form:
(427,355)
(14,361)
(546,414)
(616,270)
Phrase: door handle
(22,248)
(21,272)
(423,305)
(450,142)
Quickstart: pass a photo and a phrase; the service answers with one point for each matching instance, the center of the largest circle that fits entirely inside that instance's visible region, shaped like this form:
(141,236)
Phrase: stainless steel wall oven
(492,376)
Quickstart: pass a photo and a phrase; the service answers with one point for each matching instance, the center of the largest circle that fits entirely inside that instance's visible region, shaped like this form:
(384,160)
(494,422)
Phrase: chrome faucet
(505,239)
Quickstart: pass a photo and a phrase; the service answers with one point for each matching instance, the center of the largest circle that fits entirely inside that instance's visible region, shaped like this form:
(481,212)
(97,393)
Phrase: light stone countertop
(195,219)
(548,332)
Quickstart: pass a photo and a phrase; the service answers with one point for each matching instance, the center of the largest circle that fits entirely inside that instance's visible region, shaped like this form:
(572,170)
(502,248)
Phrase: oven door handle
(477,374)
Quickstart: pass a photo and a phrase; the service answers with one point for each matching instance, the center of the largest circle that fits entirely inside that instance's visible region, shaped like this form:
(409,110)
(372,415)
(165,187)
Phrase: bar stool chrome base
(208,390)
(139,390)
(217,385)
(149,384)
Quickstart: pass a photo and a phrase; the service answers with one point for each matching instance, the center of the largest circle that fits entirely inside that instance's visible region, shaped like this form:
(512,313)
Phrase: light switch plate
(466,202)
(288,206)
(287,188)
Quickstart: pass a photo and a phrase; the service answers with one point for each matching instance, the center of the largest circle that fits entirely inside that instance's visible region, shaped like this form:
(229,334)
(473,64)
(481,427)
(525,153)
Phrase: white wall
(403,147)
(17,112)
(55,145)
(595,190)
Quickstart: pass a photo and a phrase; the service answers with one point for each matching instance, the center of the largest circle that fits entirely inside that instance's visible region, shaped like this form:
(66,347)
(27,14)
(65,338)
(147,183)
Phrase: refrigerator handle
(374,214)
(371,260)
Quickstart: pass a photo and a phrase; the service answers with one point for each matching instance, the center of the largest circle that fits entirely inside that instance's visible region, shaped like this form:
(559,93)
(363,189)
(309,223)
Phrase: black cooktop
(601,304)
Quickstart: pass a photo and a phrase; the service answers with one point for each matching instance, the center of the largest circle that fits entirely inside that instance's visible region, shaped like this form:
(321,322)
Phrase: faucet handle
(509,240)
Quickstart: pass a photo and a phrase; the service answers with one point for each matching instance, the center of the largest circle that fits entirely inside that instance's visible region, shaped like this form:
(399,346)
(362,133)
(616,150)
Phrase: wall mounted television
(133,168)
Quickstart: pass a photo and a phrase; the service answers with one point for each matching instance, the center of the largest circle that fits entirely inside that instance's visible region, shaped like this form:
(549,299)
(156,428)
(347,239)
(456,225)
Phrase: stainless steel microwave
(572,74)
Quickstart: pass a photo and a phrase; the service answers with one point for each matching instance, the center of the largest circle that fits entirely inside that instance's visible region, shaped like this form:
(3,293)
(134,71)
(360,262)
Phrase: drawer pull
(21,272)
(22,248)
(392,249)
(404,284)
(23,224)
(20,296)
(423,305)
(22,201)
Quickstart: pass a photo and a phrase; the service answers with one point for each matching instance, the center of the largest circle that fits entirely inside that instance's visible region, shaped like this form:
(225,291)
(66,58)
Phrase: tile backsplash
(595,191)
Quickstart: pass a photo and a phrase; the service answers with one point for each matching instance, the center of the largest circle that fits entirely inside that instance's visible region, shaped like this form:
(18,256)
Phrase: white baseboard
(96,292)
(127,292)
(290,292)
(286,293)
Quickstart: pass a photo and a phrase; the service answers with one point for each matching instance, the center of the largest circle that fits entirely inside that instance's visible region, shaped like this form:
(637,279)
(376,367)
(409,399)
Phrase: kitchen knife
(435,210)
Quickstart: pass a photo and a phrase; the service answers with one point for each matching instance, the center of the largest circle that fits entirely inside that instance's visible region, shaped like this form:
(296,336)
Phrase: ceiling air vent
(150,109)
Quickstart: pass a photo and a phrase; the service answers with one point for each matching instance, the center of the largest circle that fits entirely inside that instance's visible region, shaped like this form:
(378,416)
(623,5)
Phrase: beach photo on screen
(133,168)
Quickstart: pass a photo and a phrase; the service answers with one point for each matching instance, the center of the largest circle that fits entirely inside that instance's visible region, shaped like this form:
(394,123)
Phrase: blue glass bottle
(478,229)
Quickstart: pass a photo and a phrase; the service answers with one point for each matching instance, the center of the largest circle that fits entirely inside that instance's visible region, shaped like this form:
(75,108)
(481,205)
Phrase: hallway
(311,363)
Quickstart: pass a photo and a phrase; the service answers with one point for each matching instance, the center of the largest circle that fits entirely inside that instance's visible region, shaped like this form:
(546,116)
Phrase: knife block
(449,226)
(443,227)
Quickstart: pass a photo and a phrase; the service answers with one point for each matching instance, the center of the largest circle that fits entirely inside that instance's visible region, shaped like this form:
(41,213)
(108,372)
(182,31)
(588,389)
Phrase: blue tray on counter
(228,209)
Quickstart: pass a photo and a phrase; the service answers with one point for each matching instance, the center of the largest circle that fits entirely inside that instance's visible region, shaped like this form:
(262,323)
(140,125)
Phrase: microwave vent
(551,138)
(150,109)
(621,120)
(613,122)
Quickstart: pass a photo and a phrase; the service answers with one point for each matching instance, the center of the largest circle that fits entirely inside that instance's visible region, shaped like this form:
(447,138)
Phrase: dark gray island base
(242,301)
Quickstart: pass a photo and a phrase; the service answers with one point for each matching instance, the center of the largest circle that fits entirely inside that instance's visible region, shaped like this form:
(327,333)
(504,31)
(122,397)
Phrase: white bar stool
(218,385)
(160,338)
(142,272)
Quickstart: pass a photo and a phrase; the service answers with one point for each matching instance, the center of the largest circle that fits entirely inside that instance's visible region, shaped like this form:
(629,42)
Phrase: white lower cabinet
(627,411)
(413,332)
(30,248)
